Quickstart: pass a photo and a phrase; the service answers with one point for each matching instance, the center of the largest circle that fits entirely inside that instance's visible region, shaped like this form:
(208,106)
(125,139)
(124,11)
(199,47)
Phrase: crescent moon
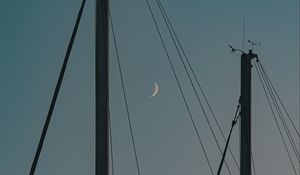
(155,90)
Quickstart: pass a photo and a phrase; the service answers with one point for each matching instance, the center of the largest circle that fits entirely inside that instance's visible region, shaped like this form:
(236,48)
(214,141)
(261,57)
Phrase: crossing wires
(184,58)
(171,32)
(179,86)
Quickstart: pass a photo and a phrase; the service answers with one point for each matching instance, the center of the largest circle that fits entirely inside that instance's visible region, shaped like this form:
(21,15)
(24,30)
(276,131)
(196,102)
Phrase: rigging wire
(56,91)
(111,143)
(180,88)
(253,164)
(124,95)
(286,129)
(233,123)
(297,152)
(190,80)
(274,116)
(278,97)
(195,77)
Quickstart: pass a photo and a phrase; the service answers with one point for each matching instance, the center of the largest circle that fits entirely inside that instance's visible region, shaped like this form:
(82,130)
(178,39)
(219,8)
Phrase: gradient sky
(34,35)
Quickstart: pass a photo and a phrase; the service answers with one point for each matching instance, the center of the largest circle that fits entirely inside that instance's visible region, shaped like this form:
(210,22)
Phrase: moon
(155,90)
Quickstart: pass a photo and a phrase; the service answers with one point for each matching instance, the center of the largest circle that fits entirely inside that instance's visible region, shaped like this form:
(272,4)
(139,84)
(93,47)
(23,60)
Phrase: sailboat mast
(102,91)
(245,101)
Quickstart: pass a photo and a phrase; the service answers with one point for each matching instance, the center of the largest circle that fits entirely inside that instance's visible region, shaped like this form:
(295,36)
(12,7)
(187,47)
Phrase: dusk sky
(34,35)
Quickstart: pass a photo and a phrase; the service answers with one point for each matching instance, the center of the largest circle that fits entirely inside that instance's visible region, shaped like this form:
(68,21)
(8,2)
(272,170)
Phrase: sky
(34,36)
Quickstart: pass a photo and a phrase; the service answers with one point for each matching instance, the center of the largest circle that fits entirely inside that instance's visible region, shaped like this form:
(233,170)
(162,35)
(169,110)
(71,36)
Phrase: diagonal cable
(286,129)
(233,123)
(190,80)
(195,77)
(274,116)
(278,97)
(56,91)
(180,88)
(253,164)
(272,90)
(111,143)
(124,95)
(285,126)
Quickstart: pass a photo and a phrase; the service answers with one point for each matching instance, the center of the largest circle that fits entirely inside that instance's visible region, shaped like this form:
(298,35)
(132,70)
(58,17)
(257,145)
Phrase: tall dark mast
(102,87)
(245,101)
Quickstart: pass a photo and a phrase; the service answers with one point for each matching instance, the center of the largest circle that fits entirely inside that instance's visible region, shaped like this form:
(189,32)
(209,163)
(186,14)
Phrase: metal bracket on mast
(234,50)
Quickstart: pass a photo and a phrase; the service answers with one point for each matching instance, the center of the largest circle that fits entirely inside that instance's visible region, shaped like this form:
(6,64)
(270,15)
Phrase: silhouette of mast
(102,93)
(245,101)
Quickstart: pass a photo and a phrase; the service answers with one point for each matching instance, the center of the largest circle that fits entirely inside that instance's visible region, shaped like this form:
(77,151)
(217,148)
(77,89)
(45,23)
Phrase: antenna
(254,43)
(244,34)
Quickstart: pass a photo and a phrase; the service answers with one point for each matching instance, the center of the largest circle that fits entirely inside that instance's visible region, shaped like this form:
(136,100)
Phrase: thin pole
(102,93)
(244,34)
(245,139)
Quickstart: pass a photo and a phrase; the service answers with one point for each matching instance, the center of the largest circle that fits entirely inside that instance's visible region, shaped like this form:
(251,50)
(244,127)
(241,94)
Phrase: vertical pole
(101,149)
(245,160)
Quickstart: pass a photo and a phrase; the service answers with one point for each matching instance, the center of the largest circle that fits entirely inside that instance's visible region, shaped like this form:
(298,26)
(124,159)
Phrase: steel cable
(180,88)
(56,91)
